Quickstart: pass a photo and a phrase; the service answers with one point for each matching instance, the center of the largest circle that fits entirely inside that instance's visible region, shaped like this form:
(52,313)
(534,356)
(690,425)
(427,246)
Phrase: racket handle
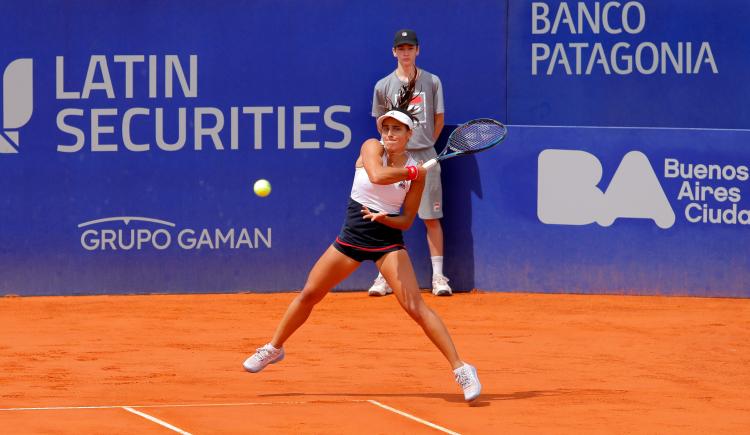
(430,163)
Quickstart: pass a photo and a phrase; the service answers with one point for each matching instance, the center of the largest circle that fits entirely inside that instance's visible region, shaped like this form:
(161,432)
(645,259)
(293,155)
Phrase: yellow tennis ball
(262,188)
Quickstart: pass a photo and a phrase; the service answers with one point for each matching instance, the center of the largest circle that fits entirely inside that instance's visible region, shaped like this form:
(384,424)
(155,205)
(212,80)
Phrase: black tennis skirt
(361,239)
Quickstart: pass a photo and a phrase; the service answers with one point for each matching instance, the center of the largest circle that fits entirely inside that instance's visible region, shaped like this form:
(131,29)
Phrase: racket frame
(444,154)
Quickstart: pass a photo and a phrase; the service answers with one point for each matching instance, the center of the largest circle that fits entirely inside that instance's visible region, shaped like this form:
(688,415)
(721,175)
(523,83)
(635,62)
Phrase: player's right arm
(371,156)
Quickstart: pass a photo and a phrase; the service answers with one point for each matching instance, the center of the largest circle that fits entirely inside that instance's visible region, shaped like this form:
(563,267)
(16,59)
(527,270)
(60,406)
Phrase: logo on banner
(136,233)
(569,193)
(18,103)
(170,114)
(711,193)
(611,54)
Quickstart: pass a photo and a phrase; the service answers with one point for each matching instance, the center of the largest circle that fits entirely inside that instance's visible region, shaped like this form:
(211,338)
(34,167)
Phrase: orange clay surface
(549,364)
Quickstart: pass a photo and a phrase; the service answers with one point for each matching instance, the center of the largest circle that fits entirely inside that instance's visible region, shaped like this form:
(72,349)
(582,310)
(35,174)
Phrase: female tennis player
(386,181)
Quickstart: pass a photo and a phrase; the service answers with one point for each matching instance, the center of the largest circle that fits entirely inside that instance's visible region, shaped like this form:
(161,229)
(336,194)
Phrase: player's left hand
(375,217)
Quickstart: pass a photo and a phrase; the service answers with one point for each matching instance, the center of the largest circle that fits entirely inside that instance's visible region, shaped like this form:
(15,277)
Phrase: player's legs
(332,268)
(397,269)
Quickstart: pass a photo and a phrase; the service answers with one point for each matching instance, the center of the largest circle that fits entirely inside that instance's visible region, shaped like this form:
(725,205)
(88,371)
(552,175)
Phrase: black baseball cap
(405,36)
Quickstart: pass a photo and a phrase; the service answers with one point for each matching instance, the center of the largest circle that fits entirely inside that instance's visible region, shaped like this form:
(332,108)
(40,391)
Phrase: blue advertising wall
(589,83)
(132,135)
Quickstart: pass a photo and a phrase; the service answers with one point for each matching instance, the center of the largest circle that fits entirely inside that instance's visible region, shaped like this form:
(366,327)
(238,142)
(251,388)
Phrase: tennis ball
(262,188)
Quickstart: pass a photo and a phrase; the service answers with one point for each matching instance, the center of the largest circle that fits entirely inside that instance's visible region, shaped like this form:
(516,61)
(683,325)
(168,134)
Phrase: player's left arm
(408,210)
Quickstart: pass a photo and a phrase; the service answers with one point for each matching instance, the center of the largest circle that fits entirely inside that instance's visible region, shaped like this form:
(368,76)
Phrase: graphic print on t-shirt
(417,103)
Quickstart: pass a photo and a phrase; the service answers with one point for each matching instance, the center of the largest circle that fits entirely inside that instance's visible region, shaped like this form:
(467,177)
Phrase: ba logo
(18,103)
(568,192)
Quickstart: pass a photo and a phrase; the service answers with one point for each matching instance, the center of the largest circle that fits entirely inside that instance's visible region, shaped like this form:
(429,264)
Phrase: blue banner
(648,63)
(611,210)
(133,133)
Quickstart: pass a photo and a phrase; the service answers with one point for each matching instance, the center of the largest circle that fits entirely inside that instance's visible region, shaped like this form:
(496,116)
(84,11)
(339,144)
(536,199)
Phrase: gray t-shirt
(428,98)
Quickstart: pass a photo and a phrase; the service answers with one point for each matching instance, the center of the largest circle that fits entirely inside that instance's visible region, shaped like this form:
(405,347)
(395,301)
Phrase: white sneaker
(440,286)
(466,376)
(379,287)
(262,357)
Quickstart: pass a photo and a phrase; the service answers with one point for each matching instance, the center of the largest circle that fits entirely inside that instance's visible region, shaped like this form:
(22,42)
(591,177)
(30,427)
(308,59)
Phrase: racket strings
(476,136)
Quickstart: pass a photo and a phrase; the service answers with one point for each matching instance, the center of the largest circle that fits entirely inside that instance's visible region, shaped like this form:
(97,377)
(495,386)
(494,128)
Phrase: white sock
(437,266)
(380,275)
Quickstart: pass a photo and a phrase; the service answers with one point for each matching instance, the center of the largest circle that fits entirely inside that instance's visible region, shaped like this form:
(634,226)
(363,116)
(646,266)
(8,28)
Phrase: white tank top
(381,197)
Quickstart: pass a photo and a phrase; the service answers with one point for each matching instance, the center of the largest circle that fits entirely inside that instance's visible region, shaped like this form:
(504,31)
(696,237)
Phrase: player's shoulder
(372,143)
(371,148)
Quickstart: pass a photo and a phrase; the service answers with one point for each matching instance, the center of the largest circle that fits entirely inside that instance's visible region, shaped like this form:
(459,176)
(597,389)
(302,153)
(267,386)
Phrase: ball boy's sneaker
(262,357)
(440,286)
(379,287)
(467,378)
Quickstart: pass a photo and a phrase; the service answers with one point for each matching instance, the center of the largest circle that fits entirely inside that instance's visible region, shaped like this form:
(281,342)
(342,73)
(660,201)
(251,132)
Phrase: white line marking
(629,128)
(129,408)
(156,420)
(186,405)
(417,419)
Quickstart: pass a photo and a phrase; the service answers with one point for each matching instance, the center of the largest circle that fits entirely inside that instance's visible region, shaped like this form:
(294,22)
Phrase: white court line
(417,419)
(157,421)
(196,405)
(630,128)
(185,405)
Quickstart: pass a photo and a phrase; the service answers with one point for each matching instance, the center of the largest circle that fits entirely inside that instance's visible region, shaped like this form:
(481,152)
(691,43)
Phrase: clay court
(548,363)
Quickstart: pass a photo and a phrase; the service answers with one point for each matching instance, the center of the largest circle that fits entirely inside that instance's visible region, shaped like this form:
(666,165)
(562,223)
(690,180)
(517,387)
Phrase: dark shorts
(361,239)
(363,254)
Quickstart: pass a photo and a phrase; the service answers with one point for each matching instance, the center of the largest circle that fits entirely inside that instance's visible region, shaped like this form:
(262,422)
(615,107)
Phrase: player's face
(406,54)
(395,135)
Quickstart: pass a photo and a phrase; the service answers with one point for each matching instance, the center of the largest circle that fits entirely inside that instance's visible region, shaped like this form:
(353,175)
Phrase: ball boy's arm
(439,124)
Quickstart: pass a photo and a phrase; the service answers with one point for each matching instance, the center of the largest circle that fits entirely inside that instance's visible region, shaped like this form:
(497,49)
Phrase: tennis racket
(469,138)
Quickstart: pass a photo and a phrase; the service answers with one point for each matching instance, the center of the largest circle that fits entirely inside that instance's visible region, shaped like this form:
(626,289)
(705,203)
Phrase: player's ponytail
(403,99)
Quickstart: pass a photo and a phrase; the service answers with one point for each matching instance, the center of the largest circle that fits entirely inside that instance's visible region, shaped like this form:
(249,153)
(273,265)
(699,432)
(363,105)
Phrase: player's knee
(416,310)
(310,296)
